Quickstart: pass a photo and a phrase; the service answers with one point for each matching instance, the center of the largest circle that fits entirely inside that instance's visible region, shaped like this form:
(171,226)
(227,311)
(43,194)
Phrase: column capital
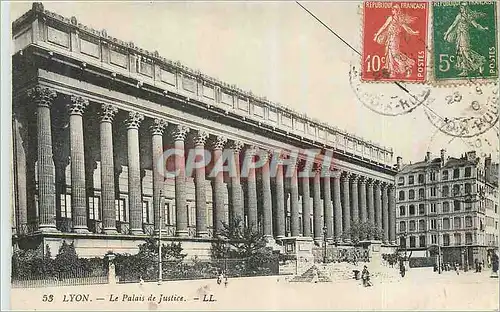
(134,120)
(237,146)
(354,177)
(384,185)
(391,186)
(77,105)
(219,142)
(200,138)
(336,174)
(377,183)
(362,179)
(42,96)
(108,112)
(369,181)
(251,150)
(179,132)
(345,175)
(158,126)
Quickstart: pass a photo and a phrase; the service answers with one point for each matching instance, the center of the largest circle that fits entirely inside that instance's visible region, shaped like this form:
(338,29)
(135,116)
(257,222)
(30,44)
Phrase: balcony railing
(27,228)
(64,225)
(123,227)
(95,226)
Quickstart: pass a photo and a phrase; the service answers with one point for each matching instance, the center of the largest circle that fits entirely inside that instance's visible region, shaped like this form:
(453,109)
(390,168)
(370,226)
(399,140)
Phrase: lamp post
(324,243)
(160,273)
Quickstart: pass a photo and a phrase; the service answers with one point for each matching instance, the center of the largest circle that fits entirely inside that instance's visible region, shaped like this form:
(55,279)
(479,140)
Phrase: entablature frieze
(119,58)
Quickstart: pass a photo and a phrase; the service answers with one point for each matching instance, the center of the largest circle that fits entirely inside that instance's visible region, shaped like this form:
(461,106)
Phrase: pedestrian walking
(365,277)
(456,268)
(402,269)
(225,280)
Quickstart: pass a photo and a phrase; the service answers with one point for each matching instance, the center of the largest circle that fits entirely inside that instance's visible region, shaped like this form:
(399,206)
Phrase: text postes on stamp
(464,35)
(394,41)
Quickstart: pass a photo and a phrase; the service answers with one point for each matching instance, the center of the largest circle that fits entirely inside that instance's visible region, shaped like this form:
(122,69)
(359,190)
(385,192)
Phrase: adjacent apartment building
(448,202)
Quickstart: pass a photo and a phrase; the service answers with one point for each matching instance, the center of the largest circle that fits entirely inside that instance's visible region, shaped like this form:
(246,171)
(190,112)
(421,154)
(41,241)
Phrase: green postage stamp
(464,41)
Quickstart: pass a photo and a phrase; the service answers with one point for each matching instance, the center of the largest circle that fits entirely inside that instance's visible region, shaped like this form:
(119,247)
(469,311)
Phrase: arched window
(402,226)
(421,225)
(402,210)
(446,191)
(401,195)
(412,210)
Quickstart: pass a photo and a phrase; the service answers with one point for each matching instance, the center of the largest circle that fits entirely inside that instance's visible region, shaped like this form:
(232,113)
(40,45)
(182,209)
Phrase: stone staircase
(308,276)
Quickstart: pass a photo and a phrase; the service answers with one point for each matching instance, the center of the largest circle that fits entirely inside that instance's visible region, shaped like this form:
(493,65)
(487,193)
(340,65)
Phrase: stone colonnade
(340,198)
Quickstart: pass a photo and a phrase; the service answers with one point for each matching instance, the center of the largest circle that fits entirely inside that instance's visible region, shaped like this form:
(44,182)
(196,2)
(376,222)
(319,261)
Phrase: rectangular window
(168,220)
(401,181)
(94,208)
(446,224)
(457,237)
(468,238)
(433,239)
(421,225)
(468,221)
(446,240)
(192,214)
(432,176)
(412,241)
(433,224)
(445,175)
(146,218)
(468,171)
(421,193)
(120,210)
(433,208)
(421,209)
(456,205)
(421,241)
(457,223)
(411,180)
(420,178)
(412,226)
(446,207)
(456,173)
(433,191)
(65,206)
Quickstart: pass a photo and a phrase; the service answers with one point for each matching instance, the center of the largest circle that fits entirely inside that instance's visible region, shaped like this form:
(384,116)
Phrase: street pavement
(420,289)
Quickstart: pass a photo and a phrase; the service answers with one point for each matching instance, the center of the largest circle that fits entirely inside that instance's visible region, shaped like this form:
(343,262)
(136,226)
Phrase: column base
(136,231)
(47,228)
(81,230)
(110,231)
(202,234)
(182,233)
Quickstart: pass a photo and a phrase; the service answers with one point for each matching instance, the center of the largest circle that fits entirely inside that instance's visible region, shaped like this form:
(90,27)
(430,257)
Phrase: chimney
(443,157)
(428,156)
(487,168)
(399,163)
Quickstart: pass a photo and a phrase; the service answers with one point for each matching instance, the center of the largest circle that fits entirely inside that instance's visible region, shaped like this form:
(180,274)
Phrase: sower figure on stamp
(389,35)
(458,32)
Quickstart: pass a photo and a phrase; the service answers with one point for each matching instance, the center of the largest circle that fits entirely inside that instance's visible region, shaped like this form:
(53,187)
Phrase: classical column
(179,133)
(385,215)
(337,206)
(378,206)
(134,176)
(78,192)
(267,203)
(107,169)
(157,129)
(218,200)
(317,208)
(280,199)
(362,199)
(306,204)
(392,215)
(21,197)
(199,184)
(346,209)
(251,190)
(43,98)
(327,203)
(354,198)
(370,199)
(236,191)
(294,200)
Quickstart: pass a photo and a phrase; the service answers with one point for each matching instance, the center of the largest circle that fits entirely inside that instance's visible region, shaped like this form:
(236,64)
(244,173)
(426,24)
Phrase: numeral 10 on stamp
(394,41)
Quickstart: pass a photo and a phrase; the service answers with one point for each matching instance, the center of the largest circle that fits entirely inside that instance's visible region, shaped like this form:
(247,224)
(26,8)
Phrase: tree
(237,241)
(362,230)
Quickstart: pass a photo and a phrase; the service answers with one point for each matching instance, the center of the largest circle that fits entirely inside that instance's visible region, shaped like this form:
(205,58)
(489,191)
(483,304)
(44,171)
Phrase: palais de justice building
(92,116)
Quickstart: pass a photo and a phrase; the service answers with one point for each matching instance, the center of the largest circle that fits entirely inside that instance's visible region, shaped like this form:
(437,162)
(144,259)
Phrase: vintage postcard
(241,156)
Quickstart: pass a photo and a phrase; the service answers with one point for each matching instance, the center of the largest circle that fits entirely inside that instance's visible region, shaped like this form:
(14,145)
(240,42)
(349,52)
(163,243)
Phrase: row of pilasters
(338,199)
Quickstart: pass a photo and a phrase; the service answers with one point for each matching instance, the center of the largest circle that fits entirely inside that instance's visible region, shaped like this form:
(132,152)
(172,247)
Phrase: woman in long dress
(389,35)
(458,32)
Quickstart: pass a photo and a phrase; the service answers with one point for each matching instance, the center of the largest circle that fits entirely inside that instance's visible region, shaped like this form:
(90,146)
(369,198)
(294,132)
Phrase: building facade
(450,202)
(93,117)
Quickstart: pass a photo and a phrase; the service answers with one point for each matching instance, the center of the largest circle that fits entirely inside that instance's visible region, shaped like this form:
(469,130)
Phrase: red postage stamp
(394,41)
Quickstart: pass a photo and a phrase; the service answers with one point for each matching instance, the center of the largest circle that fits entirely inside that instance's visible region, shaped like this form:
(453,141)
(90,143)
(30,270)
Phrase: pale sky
(277,50)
